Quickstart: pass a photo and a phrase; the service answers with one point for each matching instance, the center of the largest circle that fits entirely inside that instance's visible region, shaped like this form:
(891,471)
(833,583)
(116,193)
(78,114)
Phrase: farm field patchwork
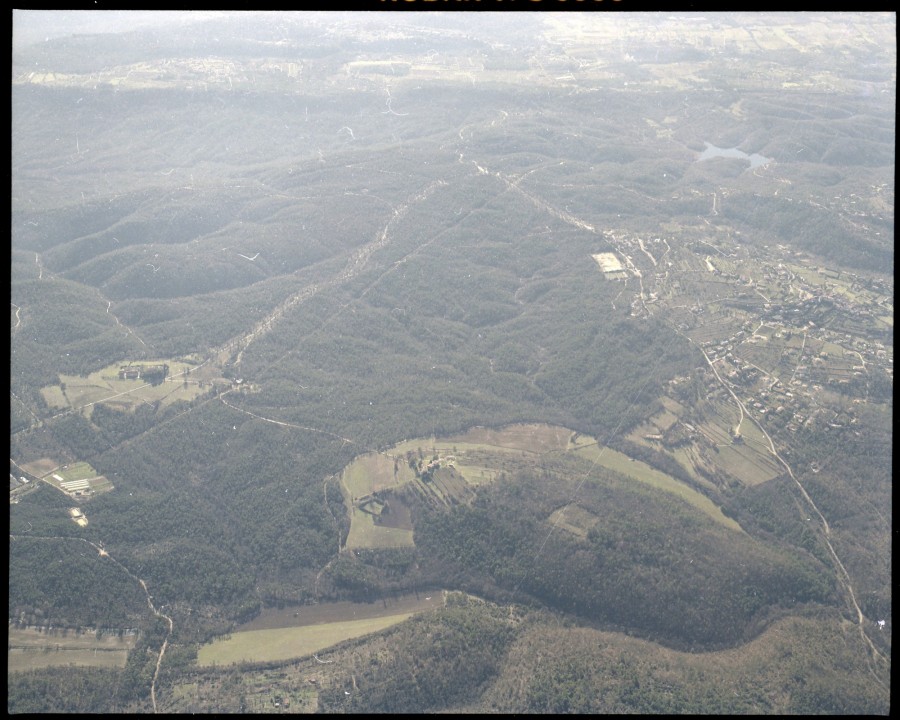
(471,459)
(79,479)
(640,471)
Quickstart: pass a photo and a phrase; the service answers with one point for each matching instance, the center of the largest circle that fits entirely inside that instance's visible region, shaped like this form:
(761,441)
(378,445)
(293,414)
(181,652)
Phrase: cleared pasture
(21,660)
(530,437)
(77,471)
(373,472)
(574,519)
(331,612)
(289,643)
(41,467)
(105,386)
(366,475)
(477,474)
(365,533)
(31,649)
(640,471)
(54,397)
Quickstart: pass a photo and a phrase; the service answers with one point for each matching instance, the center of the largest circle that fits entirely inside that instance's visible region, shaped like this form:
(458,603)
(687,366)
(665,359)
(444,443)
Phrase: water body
(712,151)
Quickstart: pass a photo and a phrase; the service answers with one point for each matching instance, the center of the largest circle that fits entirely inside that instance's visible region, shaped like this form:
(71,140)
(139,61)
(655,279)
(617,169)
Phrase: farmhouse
(147,372)
(610,265)
(73,485)
(129,373)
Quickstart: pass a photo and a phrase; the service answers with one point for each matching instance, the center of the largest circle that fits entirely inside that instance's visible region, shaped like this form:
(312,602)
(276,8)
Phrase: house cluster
(145,372)
(78,516)
(724,348)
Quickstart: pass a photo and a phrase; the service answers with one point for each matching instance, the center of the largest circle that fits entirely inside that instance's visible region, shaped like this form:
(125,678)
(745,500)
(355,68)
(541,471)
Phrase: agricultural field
(78,479)
(302,631)
(76,471)
(365,532)
(369,474)
(643,473)
(289,643)
(527,437)
(32,648)
(105,386)
(460,463)
(41,467)
(746,458)
(473,458)
(660,423)
(373,472)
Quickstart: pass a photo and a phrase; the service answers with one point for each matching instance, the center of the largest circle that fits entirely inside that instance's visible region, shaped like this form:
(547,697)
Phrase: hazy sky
(33,26)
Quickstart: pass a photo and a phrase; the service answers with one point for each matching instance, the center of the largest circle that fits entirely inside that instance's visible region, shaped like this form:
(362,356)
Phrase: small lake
(712,151)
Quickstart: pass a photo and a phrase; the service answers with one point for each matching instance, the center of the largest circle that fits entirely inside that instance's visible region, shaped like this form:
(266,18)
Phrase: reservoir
(712,151)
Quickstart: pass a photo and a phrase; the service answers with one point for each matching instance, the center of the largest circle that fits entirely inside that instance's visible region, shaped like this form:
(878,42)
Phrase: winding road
(843,577)
(104,554)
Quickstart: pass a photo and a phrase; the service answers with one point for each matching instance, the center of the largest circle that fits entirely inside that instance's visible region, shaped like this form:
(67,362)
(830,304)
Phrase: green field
(54,397)
(77,471)
(75,391)
(364,533)
(373,472)
(288,643)
(640,471)
(30,649)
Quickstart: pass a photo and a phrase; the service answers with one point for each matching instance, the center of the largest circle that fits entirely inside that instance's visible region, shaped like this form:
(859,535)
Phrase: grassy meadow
(30,649)
(75,391)
(640,471)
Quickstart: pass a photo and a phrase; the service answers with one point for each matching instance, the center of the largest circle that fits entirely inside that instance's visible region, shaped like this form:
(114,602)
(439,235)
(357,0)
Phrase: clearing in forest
(443,471)
(119,386)
(306,629)
(34,648)
(78,480)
